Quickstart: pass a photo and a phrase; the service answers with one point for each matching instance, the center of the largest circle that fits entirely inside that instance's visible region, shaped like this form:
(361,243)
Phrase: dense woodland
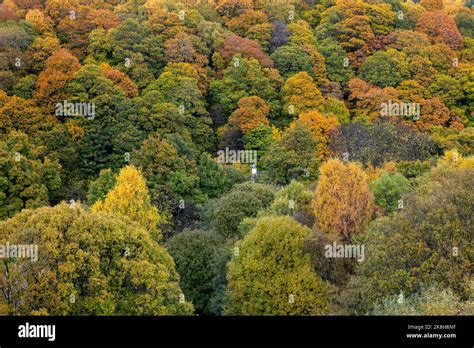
(360,115)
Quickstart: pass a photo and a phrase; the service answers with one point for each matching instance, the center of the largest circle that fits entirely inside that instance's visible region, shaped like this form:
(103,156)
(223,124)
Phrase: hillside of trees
(187,157)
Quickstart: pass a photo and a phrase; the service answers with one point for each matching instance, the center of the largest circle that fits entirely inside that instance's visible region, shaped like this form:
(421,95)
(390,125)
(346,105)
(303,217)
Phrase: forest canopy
(236,157)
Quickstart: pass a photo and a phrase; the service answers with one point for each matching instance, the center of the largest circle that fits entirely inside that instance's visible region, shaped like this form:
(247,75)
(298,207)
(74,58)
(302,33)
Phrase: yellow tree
(343,202)
(130,198)
(321,127)
(453,158)
(452,7)
(300,94)
(39,20)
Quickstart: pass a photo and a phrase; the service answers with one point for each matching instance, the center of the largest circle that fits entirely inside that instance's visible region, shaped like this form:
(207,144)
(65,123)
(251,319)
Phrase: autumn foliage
(174,157)
(343,203)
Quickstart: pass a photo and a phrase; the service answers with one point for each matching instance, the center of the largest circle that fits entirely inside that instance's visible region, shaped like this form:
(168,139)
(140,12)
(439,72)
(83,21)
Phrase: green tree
(388,190)
(447,89)
(15,37)
(337,63)
(465,23)
(292,157)
(385,69)
(178,85)
(25,87)
(98,188)
(290,60)
(28,179)
(243,78)
(132,48)
(301,33)
(163,118)
(219,283)
(335,107)
(294,200)
(271,274)
(245,200)
(381,142)
(449,139)
(259,139)
(194,253)
(170,175)
(212,176)
(412,169)
(109,133)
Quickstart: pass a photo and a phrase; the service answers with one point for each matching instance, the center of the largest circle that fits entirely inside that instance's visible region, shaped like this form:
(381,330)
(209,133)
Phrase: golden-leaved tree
(321,127)
(130,198)
(343,203)
(300,94)
(86,263)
